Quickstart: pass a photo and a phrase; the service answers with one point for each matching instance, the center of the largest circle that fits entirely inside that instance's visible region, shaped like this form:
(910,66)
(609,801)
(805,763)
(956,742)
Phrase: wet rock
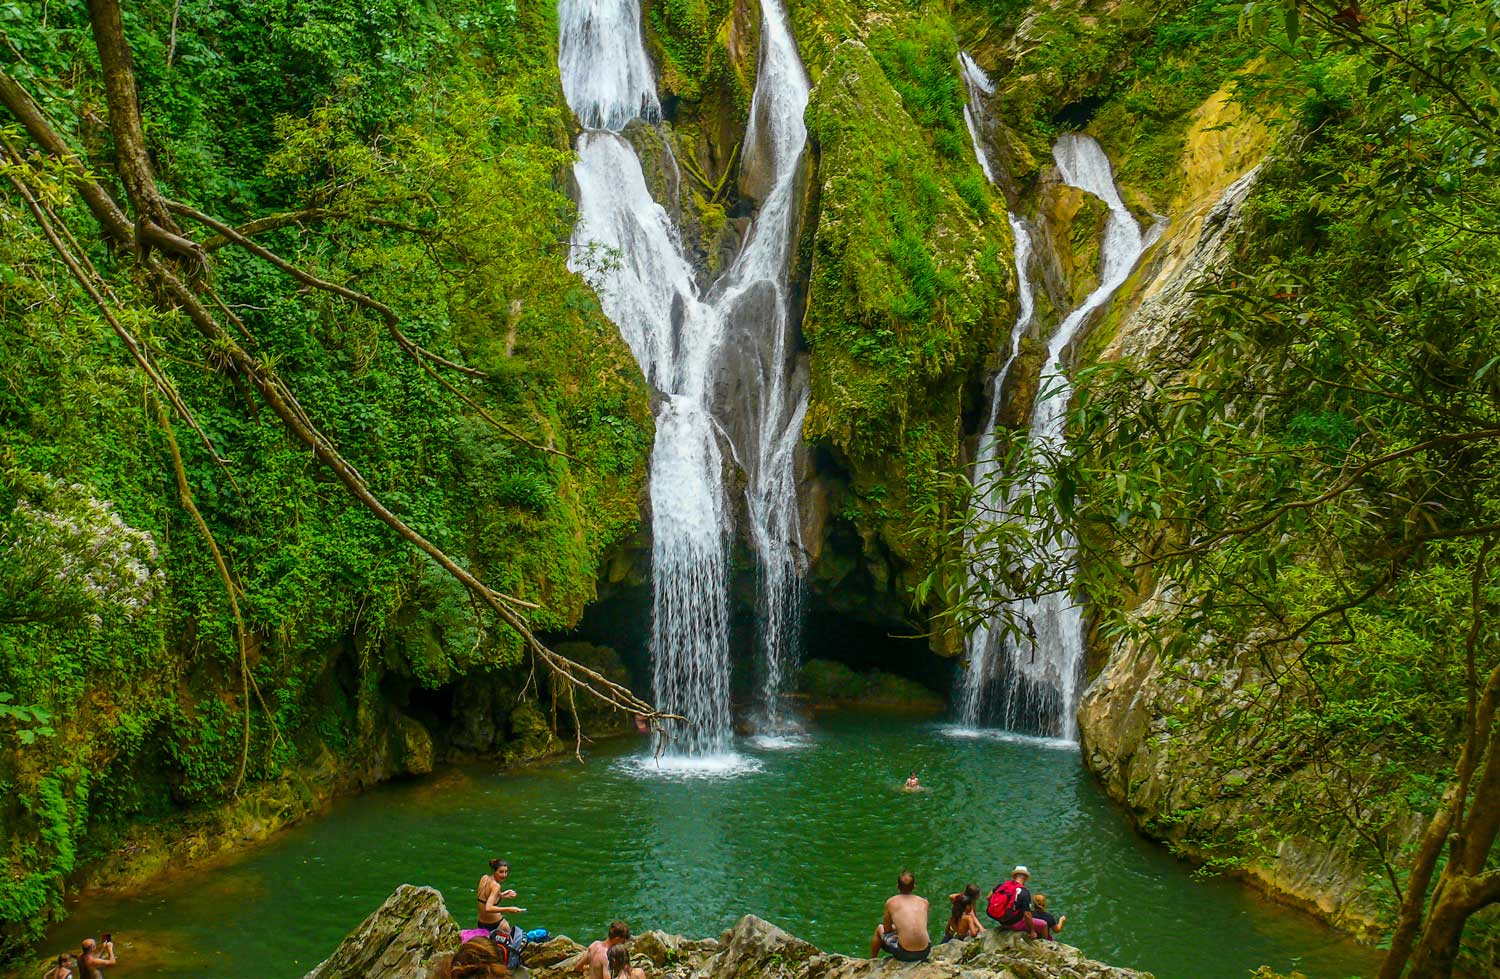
(830,683)
(396,941)
(412,746)
(662,950)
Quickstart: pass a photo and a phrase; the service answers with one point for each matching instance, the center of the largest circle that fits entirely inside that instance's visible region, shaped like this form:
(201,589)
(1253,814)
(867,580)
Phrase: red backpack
(1002,905)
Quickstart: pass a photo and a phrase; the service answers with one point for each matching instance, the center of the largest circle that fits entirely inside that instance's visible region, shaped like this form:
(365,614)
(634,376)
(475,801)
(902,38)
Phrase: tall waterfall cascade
(723,358)
(1030,684)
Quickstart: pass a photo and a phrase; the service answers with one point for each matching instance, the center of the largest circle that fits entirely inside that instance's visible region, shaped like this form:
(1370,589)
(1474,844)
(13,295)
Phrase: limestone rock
(559,950)
(396,941)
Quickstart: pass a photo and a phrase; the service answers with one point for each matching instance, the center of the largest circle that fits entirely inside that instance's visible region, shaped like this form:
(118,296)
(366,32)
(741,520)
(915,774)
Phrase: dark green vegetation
(1314,475)
(1299,518)
(908,286)
(422,151)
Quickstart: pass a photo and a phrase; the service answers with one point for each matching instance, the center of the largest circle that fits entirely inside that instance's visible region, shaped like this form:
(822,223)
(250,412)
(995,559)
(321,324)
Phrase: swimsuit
(892,944)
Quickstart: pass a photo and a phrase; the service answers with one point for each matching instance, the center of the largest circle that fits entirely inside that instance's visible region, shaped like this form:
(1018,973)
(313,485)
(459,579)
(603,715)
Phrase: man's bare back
(907,915)
(598,959)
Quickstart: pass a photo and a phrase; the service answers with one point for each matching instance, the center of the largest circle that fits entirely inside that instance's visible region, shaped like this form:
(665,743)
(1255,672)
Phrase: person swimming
(912,785)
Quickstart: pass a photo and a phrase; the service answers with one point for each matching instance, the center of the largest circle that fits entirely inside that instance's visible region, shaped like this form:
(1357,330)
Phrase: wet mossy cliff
(135,731)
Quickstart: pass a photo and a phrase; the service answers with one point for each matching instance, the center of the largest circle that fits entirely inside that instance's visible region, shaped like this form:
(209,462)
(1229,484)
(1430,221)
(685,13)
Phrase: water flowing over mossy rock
(908,287)
(396,941)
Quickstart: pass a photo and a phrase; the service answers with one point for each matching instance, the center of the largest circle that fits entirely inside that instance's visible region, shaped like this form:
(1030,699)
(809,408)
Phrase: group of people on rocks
(492,948)
(903,934)
(92,958)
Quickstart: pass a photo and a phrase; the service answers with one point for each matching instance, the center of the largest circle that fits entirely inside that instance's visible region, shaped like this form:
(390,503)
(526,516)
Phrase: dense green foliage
(908,285)
(448,130)
(1296,517)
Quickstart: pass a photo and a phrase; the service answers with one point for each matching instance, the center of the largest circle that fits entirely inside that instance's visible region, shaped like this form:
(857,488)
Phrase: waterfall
(755,300)
(724,359)
(1039,673)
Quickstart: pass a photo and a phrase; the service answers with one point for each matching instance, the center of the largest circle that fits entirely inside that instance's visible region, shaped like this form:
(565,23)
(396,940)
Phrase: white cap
(1020,870)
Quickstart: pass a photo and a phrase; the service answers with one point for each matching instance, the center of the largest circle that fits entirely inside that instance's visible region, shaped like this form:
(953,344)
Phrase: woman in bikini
(490,892)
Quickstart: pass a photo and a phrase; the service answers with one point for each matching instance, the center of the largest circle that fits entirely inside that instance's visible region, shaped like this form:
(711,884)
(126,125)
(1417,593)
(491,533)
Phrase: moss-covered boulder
(909,286)
(831,684)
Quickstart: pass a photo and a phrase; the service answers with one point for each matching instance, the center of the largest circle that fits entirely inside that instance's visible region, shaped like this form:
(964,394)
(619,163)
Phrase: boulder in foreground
(405,936)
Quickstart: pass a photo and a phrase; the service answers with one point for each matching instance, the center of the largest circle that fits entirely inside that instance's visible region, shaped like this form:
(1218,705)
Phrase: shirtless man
(903,932)
(90,962)
(596,959)
(490,892)
(912,785)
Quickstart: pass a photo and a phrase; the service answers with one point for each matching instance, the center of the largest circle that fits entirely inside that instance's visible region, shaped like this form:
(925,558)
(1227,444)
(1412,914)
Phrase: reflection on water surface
(808,834)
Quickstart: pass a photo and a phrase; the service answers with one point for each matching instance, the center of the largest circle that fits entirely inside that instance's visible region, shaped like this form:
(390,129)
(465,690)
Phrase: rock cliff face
(411,934)
(1164,773)
(1167,779)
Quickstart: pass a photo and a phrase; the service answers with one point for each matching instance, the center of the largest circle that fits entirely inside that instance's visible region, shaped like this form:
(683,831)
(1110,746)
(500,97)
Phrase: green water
(809,837)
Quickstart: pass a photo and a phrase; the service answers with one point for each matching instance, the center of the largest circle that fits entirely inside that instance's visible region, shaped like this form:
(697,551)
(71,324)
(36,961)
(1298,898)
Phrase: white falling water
(734,347)
(755,302)
(1040,672)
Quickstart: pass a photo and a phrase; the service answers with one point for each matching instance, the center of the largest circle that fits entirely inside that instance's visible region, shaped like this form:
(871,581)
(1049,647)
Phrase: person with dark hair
(963,920)
(912,784)
(903,931)
(91,962)
(476,959)
(619,964)
(596,959)
(490,892)
(63,969)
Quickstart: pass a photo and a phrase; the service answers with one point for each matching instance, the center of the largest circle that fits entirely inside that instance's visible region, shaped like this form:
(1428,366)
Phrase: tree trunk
(155,226)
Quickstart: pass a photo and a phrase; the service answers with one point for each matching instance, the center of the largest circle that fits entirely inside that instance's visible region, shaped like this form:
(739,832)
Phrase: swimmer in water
(912,785)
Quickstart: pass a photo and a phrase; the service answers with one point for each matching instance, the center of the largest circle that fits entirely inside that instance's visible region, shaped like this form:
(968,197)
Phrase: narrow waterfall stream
(724,360)
(1031,685)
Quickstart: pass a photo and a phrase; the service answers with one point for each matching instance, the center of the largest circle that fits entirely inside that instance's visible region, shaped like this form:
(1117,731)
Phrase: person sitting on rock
(619,964)
(596,959)
(963,921)
(912,785)
(489,893)
(476,959)
(1053,922)
(1014,913)
(903,932)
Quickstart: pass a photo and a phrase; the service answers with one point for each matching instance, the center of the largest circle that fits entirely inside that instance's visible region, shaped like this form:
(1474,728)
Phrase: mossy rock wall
(909,285)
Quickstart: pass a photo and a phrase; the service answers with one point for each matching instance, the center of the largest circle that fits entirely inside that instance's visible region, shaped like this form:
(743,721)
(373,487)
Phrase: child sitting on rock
(1040,913)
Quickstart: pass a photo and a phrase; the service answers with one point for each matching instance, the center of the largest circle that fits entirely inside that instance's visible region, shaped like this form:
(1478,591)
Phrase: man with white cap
(1010,905)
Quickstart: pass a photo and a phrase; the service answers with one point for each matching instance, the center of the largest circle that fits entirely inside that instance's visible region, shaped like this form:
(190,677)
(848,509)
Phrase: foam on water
(679,767)
(965,733)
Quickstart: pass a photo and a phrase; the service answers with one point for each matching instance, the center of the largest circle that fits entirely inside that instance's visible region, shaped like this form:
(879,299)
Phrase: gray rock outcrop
(408,934)
(396,941)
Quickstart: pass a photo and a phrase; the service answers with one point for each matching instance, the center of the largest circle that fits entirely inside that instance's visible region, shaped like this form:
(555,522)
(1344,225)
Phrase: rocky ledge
(408,935)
